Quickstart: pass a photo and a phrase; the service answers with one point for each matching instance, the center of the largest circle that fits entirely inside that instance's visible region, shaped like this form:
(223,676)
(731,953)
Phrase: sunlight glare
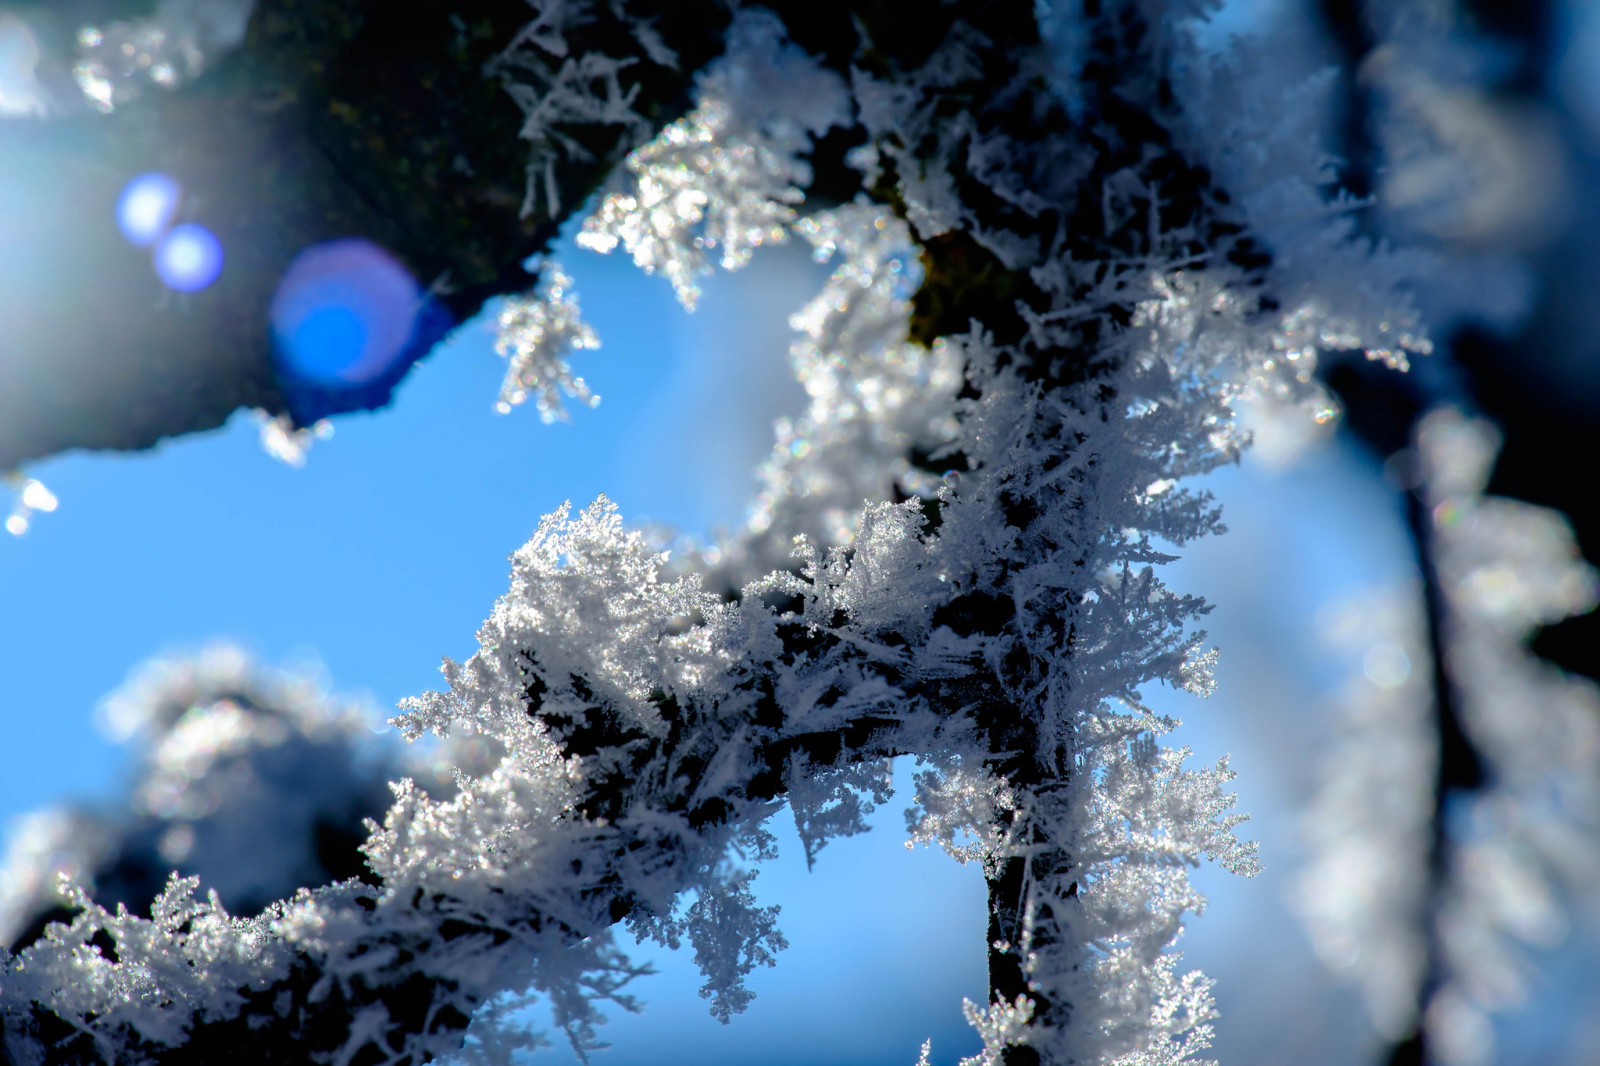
(146,208)
(189,258)
(20,92)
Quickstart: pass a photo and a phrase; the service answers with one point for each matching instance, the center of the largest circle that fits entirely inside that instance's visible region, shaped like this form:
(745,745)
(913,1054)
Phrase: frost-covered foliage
(1506,567)
(875,398)
(1260,129)
(1363,892)
(1514,849)
(1042,322)
(727,175)
(254,780)
(1478,175)
(730,176)
(536,333)
(189,962)
(561,93)
(172,45)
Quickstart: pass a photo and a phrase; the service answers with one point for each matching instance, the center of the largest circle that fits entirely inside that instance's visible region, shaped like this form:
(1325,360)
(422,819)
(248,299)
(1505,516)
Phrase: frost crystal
(535,334)
(171,47)
(1506,567)
(190,961)
(874,396)
(1362,894)
(1337,291)
(240,771)
(1001,1025)
(1521,843)
(728,175)
(559,92)
(287,443)
(29,497)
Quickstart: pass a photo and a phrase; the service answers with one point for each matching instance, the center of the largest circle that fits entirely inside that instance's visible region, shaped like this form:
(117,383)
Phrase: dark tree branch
(331,120)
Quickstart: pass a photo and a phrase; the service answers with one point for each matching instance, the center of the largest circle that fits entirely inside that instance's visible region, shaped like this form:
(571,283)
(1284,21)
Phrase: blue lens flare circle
(344,314)
(147,207)
(189,258)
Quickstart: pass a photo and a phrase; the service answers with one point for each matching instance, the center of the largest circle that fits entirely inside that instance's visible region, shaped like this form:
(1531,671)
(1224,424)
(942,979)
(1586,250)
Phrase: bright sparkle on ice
(536,333)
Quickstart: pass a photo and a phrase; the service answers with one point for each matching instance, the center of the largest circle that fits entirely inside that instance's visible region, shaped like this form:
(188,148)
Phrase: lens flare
(146,208)
(344,313)
(189,258)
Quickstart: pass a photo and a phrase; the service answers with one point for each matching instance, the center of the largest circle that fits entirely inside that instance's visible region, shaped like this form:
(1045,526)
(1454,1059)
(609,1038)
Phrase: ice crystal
(1337,291)
(1522,843)
(1001,1025)
(1362,893)
(1506,567)
(29,497)
(874,396)
(116,60)
(557,90)
(959,809)
(190,961)
(240,769)
(724,179)
(288,443)
(536,333)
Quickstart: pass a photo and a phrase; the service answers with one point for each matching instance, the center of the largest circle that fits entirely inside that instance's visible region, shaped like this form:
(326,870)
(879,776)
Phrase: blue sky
(385,552)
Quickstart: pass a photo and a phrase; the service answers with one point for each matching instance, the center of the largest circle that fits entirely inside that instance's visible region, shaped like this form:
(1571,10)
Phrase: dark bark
(1460,771)
(369,119)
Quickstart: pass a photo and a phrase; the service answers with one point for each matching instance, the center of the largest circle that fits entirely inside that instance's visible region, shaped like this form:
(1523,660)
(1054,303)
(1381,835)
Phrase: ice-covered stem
(253,779)
(1045,227)
(628,838)
(1386,409)
(1348,28)
(1459,771)
(1449,869)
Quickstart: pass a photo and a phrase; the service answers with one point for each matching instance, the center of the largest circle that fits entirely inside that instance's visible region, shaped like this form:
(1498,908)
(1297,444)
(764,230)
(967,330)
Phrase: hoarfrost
(1001,622)
(1520,847)
(1529,841)
(1362,892)
(536,333)
(288,443)
(726,176)
(29,497)
(174,45)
